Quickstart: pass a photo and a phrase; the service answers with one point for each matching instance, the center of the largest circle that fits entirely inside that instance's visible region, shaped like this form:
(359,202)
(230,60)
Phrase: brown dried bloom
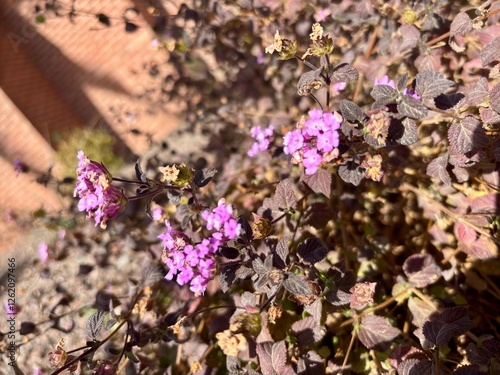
(373,166)
(231,343)
(58,357)
(362,295)
(195,368)
(317,32)
(276,45)
(378,127)
(274,313)
(261,227)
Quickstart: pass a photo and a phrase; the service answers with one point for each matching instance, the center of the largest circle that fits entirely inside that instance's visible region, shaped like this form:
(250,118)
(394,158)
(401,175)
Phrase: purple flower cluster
(315,141)
(195,264)
(389,82)
(101,199)
(262,139)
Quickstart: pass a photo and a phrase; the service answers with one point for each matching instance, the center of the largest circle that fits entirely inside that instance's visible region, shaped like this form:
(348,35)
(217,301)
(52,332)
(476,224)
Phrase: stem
(307,63)
(101,343)
(351,344)
(118,179)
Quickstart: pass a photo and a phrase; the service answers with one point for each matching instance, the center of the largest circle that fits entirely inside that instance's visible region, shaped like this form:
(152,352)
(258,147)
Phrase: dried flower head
(362,295)
(58,357)
(231,343)
(373,166)
(276,45)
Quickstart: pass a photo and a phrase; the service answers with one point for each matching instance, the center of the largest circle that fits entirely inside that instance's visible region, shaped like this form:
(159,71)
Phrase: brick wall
(59,75)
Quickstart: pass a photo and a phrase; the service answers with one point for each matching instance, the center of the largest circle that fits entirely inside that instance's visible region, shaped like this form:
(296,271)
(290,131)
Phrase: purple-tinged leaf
(421,270)
(227,276)
(264,352)
(204,176)
(260,267)
(310,363)
(451,101)
(465,160)
(410,135)
(478,93)
(94,324)
(467,135)
(351,111)
(452,322)
(483,248)
(312,250)
(431,84)
(282,260)
(228,252)
(384,93)
(402,132)
(430,60)
(404,352)
(424,343)
(465,233)
(319,214)
(375,332)
(437,168)
(139,173)
(284,196)
(295,285)
(338,297)
(351,172)
(460,173)
(243,272)
(486,350)
(439,236)
(315,309)
(420,310)
(307,331)
(495,98)
(402,82)
(485,204)
(411,37)
(247,233)
(411,107)
(491,52)
(278,356)
(461,25)
(319,182)
(415,366)
(478,355)
(248,300)
(489,116)
(344,73)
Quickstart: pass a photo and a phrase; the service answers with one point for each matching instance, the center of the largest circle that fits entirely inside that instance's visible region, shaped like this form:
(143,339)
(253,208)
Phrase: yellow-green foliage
(97,144)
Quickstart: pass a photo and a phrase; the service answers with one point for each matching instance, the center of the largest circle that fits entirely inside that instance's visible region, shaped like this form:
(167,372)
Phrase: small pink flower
(43,252)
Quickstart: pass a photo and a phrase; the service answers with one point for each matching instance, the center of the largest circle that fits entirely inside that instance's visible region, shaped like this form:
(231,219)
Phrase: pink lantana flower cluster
(195,264)
(314,142)
(101,199)
(389,82)
(262,139)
